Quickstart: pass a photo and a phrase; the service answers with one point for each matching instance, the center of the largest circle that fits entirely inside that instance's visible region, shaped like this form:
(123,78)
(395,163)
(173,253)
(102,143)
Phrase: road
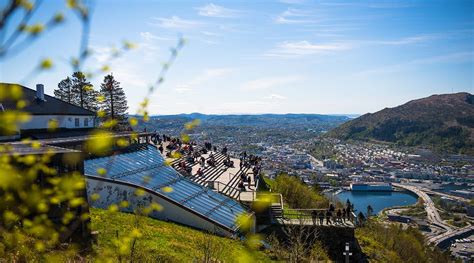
(450,234)
(431,211)
(457,198)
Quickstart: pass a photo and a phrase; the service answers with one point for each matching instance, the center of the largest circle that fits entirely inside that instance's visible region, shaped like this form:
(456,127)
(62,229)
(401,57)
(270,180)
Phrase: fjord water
(378,200)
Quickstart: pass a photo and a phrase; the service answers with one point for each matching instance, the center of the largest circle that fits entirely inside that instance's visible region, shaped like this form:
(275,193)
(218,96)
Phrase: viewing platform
(236,181)
(117,178)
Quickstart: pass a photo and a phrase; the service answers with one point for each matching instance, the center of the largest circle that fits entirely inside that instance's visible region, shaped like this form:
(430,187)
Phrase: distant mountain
(257,119)
(442,122)
(250,128)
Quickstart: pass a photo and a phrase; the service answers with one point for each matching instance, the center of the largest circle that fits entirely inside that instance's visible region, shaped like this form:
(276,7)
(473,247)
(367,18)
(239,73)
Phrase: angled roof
(50,106)
(25,148)
(147,169)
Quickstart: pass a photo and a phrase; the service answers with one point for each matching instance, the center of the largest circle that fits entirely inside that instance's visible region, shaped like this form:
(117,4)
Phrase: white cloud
(405,40)
(203,77)
(300,48)
(182,89)
(211,34)
(275,97)
(212,10)
(292,1)
(271,82)
(101,54)
(176,22)
(294,16)
(375,4)
(459,57)
(148,36)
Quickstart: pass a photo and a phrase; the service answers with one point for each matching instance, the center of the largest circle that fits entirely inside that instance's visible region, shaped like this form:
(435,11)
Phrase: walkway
(309,222)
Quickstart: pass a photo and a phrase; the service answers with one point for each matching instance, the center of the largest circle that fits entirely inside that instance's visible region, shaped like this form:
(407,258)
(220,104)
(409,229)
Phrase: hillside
(159,241)
(315,121)
(442,122)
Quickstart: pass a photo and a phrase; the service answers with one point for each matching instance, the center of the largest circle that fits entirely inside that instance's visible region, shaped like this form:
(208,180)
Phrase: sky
(261,56)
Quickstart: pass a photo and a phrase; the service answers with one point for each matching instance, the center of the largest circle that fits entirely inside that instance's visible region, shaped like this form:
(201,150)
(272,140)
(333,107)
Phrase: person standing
(314,216)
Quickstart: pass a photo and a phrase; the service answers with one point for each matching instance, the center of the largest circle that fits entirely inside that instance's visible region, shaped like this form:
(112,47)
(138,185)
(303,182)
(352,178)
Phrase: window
(86,122)
(76,122)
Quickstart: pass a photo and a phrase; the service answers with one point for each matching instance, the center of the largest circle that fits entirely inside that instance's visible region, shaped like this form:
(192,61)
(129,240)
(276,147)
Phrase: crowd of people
(247,161)
(332,216)
(194,154)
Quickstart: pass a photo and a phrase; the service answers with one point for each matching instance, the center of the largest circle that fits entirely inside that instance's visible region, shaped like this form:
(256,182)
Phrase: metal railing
(219,187)
(317,214)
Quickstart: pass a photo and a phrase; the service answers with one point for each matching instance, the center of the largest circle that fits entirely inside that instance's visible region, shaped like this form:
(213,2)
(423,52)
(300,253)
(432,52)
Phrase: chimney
(40,91)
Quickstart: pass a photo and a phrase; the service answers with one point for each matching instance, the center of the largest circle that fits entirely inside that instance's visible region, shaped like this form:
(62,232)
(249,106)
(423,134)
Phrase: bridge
(440,240)
(431,211)
(457,198)
(434,218)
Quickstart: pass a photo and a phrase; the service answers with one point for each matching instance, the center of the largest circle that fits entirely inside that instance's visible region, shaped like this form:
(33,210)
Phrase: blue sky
(288,56)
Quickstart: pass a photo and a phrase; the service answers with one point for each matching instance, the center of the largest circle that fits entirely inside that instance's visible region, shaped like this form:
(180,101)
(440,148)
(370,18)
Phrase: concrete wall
(113,193)
(64,121)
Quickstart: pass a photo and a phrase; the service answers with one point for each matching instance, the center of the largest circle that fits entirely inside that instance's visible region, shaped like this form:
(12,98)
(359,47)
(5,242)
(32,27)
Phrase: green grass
(269,183)
(160,241)
(392,243)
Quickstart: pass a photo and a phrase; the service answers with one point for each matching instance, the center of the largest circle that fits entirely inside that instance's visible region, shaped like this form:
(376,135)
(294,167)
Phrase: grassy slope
(390,243)
(161,241)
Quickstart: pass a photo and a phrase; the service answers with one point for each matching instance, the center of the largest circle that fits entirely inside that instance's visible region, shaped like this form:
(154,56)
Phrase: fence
(309,214)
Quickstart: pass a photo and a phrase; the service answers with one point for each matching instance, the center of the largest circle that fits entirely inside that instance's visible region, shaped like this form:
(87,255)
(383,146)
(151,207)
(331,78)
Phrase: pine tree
(114,101)
(83,93)
(64,90)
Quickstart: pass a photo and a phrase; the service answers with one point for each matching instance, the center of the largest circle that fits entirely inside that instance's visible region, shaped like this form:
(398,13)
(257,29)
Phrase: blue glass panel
(148,163)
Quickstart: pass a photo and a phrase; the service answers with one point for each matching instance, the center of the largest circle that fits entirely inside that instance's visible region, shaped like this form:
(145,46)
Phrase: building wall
(112,193)
(64,121)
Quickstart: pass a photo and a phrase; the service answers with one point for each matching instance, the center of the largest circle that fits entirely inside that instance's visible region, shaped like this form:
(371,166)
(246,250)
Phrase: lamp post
(346,252)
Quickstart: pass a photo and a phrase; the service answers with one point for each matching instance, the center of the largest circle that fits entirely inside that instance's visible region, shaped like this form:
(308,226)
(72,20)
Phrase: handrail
(226,187)
(301,213)
(280,197)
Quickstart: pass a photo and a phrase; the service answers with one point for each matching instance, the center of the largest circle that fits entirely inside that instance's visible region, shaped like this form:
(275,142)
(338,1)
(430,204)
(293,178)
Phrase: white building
(44,110)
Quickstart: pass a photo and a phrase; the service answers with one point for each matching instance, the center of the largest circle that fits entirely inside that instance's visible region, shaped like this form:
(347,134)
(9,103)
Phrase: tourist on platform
(314,216)
(344,215)
(200,172)
(349,213)
(321,218)
(161,149)
(243,177)
(328,217)
(241,186)
(256,179)
(331,208)
(224,150)
(188,169)
(182,165)
(249,181)
(339,214)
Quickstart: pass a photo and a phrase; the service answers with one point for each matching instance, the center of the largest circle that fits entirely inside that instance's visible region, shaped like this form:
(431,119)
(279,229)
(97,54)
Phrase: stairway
(276,211)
